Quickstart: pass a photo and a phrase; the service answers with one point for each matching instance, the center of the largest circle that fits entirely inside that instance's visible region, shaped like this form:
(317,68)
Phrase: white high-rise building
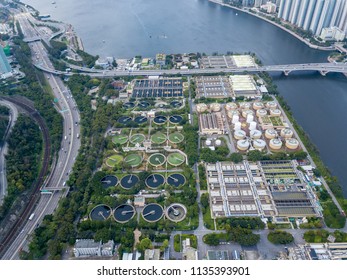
(302,12)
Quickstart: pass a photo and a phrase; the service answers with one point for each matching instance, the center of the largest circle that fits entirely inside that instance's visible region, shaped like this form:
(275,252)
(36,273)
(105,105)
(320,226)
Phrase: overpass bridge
(322,68)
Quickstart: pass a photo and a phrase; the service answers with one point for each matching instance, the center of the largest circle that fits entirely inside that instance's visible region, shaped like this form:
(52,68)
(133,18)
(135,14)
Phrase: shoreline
(312,46)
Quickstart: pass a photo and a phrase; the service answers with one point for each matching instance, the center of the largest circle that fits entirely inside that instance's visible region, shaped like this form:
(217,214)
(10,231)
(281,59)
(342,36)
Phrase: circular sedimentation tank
(271,105)
(176,159)
(201,107)
(243,145)
(270,133)
(245,113)
(176,104)
(261,113)
(152,212)
(239,134)
(140,120)
(158,138)
(215,107)
(245,105)
(100,212)
(176,212)
(125,120)
(129,181)
(112,161)
(176,138)
(287,133)
(137,138)
(109,181)
(258,105)
(259,144)
(292,144)
(232,113)
(133,160)
(208,143)
(176,180)
(124,213)
(176,119)
(275,144)
(157,159)
(143,104)
(129,105)
(120,139)
(231,106)
(154,181)
(255,134)
(160,120)
(275,112)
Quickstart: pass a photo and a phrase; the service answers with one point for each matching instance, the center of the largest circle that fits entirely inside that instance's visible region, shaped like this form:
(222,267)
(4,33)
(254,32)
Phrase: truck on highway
(78,136)
(31,216)
(65,137)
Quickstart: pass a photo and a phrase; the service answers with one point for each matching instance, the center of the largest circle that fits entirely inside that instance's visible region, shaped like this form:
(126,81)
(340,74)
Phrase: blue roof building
(4,65)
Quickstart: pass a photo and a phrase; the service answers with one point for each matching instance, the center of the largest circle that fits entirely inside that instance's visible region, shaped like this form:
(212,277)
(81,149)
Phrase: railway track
(35,195)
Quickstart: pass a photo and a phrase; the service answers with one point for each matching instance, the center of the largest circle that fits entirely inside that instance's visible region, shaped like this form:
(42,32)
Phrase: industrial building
(243,61)
(156,87)
(218,61)
(213,87)
(88,247)
(5,68)
(319,251)
(244,85)
(211,123)
(217,255)
(266,189)
(152,254)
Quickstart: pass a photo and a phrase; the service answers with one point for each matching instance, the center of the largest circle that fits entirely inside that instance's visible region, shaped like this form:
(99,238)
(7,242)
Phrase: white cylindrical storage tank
(287,133)
(258,105)
(252,125)
(271,105)
(245,113)
(275,144)
(201,107)
(243,145)
(208,142)
(255,134)
(231,106)
(215,107)
(270,133)
(292,144)
(250,118)
(239,134)
(232,113)
(245,105)
(259,144)
(218,142)
(237,126)
(261,113)
(275,112)
(235,119)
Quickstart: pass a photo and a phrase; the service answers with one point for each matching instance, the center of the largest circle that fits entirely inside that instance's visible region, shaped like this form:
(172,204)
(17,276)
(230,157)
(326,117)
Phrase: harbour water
(125,28)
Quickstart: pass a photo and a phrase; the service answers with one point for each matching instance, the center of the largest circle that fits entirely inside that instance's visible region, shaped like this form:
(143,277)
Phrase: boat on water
(53,2)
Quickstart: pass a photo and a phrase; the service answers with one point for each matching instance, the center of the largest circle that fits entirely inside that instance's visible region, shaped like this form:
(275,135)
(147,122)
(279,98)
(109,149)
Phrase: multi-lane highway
(56,182)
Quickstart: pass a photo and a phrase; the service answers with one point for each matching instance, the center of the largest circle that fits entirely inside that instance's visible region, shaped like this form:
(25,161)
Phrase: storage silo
(252,125)
(275,112)
(292,143)
(261,113)
(239,134)
(255,134)
(215,107)
(235,119)
(250,118)
(201,107)
(237,126)
(270,133)
(208,142)
(287,133)
(218,142)
(259,144)
(231,106)
(275,144)
(271,105)
(258,105)
(243,145)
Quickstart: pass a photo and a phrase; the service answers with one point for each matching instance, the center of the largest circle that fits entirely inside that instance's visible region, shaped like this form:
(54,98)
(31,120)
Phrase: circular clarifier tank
(176,212)
(176,119)
(152,212)
(133,160)
(124,213)
(137,138)
(157,159)
(140,120)
(154,181)
(176,159)
(109,181)
(158,138)
(120,139)
(176,138)
(129,105)
(129,181)
(176,104)
(160,120)
(143,105)
(125,120)
(100,213)
(176,180)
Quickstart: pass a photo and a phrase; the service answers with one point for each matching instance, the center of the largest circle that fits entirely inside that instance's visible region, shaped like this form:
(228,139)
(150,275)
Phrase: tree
(144,244)
(280,237)
(164,245)
(255,155)
(211,239)
(236,157)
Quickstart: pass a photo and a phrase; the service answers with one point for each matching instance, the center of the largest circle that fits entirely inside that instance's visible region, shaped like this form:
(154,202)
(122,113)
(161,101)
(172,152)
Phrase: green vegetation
(242,222)
(178,239)
(4,114)
(220,154)
(256,155)
(191,147)
(243,236)
(321,236)
(312,222)
(202,177)
(112,161)
(22,161)
(212,239)
(280,237)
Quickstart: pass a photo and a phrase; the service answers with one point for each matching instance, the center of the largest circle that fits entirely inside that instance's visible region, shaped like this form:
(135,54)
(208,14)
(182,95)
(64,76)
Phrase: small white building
(89,248)
(332,34)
